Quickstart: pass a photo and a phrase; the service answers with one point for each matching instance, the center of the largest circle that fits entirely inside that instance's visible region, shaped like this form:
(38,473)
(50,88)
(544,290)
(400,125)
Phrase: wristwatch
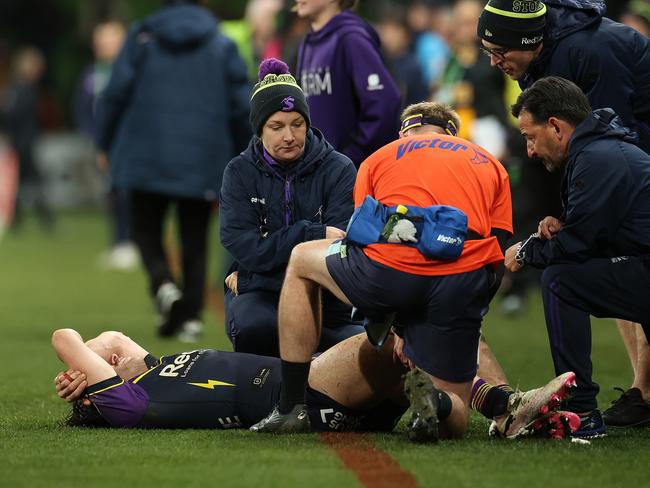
(520,254)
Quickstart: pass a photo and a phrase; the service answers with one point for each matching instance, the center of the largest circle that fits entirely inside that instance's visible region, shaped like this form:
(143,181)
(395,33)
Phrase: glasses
(499,53)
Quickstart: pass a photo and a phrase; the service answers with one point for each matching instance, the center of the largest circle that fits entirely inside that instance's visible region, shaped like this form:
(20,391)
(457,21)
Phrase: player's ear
(114,359)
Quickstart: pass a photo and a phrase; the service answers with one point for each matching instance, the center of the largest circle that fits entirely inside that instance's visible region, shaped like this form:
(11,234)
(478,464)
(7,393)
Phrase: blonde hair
(434,110)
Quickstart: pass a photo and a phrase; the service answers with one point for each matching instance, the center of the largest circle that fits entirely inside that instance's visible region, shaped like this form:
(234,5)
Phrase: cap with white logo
(515,24)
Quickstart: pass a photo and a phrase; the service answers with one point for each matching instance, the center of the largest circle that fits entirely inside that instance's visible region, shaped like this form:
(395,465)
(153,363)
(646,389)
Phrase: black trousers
(148,212)
(604,287)
(252,323)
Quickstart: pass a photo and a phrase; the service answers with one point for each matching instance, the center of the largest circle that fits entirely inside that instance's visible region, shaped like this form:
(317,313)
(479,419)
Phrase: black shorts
(327,415)
(441,314)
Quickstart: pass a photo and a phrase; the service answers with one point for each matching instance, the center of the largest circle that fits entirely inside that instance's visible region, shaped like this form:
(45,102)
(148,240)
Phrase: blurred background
(55,57)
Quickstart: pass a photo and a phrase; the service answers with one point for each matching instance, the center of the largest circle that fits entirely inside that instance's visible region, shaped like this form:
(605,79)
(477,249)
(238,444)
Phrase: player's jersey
(196,389)
(435,169)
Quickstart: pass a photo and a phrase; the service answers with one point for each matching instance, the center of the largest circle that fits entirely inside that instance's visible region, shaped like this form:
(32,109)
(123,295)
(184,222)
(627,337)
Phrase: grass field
(52,282)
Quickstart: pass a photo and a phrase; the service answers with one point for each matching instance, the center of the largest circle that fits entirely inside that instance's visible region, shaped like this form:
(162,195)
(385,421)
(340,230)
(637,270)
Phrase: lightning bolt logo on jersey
(197,389)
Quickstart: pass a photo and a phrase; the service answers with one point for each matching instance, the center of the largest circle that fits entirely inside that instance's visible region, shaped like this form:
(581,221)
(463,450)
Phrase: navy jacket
(605,194)
(265,212)
(176,107)
(351,95)
(609,61)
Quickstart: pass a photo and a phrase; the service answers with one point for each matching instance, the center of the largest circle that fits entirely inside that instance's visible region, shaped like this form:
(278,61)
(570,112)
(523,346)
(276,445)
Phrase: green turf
(47,282)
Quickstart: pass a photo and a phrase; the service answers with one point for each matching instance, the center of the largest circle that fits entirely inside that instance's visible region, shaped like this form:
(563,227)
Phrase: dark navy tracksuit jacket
(599,262)
(265,212)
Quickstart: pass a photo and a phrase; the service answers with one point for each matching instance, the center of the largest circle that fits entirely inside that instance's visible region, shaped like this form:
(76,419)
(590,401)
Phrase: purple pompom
(273,66)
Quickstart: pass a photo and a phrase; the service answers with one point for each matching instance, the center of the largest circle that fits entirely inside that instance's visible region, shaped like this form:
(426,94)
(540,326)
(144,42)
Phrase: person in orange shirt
(439,302)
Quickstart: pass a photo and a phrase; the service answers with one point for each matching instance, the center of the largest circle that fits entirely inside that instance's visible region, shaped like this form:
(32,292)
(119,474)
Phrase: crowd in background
(429,46)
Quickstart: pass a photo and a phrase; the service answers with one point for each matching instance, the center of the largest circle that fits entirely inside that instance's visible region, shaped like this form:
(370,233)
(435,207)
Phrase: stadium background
(52,279)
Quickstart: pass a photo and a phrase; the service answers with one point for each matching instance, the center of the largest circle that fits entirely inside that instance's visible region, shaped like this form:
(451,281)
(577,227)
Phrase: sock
(507,388)
(294,382)
(491,401)
(444,405)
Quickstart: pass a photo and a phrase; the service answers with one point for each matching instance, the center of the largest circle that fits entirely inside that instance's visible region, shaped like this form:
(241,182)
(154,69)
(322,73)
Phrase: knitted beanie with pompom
(276,91)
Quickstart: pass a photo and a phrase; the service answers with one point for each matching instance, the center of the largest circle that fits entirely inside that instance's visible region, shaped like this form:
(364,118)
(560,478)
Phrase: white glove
(404,231)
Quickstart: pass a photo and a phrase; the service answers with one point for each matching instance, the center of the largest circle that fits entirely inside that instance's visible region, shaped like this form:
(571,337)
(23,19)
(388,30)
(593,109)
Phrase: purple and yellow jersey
(196,389)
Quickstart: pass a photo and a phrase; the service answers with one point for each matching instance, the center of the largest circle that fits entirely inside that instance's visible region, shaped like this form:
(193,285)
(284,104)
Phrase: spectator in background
(256,34)
(469,84)
(637,16)
(170,118)
(402,63)
(21,115)
(108,38)
(262,17)
(352,96)
(429,43)
(289,186)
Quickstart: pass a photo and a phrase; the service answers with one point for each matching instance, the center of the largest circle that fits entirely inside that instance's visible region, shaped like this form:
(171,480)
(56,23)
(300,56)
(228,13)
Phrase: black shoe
(169,300)
(591,426)
(294,422)
(630,410)
(423,397)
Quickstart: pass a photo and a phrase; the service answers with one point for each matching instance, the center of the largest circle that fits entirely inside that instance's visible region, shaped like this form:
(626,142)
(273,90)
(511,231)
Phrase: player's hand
(548,227)
(334,233)
(70,385)
(231,282)
(510,262)
(398,353)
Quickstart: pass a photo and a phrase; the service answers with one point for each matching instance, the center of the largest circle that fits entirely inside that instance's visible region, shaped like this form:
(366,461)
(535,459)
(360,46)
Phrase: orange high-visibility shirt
(435,169)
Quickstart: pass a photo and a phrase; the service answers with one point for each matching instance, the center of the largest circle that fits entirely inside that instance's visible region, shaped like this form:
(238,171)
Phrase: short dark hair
(553,97)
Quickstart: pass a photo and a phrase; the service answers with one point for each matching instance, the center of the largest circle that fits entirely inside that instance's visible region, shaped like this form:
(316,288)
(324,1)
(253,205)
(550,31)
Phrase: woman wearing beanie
(352,96)
(289,186)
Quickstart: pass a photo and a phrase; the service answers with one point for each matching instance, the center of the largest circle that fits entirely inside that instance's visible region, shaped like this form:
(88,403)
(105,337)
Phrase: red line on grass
(373,468)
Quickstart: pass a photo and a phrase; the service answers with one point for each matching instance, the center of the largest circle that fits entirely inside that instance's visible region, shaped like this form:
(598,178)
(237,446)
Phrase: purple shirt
(122,404)
(352,97)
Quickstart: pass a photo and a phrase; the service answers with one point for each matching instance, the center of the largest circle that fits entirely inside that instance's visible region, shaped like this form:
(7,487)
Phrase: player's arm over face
(72,350)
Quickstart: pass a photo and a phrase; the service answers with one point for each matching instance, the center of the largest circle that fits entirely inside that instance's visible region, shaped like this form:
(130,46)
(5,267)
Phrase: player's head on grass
(84,414)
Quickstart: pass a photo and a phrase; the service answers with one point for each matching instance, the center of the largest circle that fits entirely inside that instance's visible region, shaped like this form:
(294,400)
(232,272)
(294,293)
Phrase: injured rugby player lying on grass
(114,382)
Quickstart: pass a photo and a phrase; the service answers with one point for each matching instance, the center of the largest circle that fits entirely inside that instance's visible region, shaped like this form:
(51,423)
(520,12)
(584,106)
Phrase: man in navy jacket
(596,256)
(610,62)
(171,117)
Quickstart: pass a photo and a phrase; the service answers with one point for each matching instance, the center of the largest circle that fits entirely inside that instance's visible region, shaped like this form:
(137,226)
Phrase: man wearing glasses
(610,63)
